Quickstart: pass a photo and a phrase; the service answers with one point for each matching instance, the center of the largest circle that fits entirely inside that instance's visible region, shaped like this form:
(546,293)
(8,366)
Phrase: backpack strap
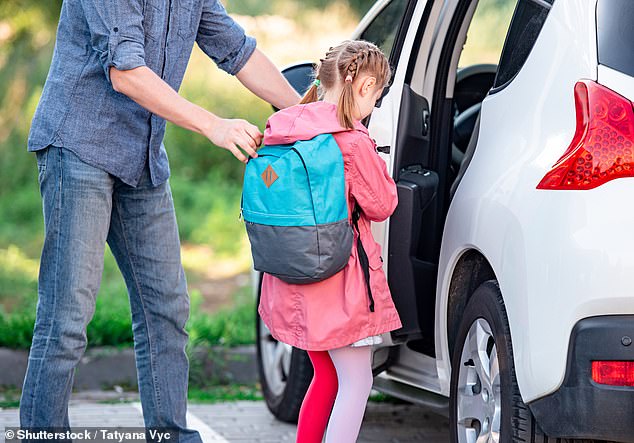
(363,257)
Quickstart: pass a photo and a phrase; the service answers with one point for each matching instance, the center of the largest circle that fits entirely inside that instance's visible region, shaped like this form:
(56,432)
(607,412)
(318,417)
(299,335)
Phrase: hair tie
(317,82)
(348,78)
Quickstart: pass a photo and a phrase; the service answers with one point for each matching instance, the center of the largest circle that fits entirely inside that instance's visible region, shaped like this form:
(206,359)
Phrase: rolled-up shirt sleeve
(222,39)
(116,33)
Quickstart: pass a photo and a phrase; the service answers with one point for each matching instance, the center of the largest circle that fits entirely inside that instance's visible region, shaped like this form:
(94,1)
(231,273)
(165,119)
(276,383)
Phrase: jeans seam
(58,207)
(157,395)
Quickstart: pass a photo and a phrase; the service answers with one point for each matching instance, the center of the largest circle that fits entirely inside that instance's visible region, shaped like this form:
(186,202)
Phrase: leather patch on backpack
(269,176)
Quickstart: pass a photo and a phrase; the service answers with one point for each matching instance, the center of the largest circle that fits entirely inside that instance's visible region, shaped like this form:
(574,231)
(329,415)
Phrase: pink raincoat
(335,312)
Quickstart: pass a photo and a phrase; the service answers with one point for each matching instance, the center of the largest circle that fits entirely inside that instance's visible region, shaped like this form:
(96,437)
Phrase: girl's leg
(317,404)
(354,371)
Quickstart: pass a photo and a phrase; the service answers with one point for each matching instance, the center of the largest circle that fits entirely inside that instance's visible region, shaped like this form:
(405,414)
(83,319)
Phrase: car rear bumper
(581,408)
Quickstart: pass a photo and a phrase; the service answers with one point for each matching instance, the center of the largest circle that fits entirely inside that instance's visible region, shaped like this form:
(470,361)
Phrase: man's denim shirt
(79,110)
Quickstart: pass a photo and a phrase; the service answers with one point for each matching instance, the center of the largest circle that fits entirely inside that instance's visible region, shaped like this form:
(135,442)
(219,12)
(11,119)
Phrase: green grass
(379,397)
(224,393)
(232,326)
(235,392)
(112,325)
(9,397)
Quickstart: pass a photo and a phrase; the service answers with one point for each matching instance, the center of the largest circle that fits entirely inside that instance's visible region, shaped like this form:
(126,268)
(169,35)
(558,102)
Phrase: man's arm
(225,42)
(261,77)
(150,91)
(117,36)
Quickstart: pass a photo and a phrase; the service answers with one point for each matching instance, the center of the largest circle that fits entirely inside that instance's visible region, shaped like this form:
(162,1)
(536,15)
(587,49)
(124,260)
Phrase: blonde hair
(342,65)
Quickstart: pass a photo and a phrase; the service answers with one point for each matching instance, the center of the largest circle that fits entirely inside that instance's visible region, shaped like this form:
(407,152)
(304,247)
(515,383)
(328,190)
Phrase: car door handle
(425,122)
(383,149)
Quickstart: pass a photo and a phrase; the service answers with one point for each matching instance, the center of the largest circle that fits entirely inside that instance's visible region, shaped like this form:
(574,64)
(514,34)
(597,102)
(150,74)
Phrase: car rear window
(528,19)
(615,34)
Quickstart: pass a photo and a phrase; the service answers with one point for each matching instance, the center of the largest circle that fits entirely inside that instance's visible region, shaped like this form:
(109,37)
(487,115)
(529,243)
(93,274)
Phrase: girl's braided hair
(342,65)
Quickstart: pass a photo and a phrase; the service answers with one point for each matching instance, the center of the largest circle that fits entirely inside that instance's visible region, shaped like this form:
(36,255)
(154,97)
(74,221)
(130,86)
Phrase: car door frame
(385,124)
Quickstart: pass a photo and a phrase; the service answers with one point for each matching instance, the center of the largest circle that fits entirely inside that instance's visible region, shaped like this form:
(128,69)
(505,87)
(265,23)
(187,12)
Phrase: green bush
(112,323)
(230,326)
(202,221)
(16,329)
(208,213)
(112,326)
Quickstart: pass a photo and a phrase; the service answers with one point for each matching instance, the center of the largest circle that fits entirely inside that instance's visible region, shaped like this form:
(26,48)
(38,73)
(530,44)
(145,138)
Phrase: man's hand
(150,91)
(234,135)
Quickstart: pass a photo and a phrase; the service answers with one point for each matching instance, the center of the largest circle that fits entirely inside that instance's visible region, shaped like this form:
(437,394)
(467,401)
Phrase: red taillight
(616,373)
(602,148)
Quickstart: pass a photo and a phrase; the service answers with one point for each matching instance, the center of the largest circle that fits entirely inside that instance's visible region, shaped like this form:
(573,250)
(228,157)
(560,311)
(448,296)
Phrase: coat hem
(327,345)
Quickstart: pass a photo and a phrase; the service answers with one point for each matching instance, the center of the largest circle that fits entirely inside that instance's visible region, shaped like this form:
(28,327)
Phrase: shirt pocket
(188,18)
(153,17)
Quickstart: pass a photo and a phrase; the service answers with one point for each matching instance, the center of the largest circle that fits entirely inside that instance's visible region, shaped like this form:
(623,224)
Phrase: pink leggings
(341,384)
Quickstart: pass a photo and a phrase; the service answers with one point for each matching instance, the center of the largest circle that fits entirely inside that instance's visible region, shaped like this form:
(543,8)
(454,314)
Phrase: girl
(338,319)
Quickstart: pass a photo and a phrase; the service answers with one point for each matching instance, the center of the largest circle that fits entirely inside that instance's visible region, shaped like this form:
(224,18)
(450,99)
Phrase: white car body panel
(558,255)
(617,81)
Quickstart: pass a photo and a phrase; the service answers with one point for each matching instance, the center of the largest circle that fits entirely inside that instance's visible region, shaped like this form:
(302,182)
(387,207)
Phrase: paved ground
(247,421)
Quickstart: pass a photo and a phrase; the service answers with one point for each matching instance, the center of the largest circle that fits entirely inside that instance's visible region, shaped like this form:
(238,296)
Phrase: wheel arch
(471,270)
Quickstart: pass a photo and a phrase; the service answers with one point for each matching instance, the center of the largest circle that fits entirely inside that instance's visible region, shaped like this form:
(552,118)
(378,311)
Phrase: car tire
(485,397)
(285,374)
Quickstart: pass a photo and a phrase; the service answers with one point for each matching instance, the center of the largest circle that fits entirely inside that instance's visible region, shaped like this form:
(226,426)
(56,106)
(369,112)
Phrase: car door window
(485,37)
(383,29)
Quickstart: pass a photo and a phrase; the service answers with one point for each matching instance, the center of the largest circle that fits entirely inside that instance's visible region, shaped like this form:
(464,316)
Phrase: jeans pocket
(42,158)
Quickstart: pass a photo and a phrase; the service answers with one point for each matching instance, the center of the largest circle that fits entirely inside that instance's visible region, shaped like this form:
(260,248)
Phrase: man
(103,172)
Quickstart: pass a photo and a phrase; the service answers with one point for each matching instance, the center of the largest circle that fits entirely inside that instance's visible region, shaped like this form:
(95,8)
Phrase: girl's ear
(367,85)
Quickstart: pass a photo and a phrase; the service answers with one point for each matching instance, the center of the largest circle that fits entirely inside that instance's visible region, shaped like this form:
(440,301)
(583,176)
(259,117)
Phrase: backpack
(296,212)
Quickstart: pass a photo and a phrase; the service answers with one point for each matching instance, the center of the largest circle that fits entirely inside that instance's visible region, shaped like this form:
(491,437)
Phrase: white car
(510,253)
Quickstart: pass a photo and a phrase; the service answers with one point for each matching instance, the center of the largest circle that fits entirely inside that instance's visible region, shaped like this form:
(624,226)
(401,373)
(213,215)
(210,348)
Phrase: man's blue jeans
(85,207)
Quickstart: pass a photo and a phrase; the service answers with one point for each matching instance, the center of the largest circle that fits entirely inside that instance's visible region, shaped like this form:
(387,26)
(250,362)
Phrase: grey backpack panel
(298,257)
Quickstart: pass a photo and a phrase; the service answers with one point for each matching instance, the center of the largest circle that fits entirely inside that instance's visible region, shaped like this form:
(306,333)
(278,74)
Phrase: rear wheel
(486,405)
(285,373)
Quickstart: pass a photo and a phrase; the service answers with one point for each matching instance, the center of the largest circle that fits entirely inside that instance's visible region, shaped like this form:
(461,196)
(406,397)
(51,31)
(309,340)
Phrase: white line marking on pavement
(193,422)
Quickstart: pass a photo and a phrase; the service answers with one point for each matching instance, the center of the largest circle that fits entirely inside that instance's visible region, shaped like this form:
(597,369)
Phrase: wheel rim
(479,400)
(276,360)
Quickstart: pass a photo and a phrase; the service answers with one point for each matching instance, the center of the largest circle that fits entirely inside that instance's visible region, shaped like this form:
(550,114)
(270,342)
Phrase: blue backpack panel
(295,209)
